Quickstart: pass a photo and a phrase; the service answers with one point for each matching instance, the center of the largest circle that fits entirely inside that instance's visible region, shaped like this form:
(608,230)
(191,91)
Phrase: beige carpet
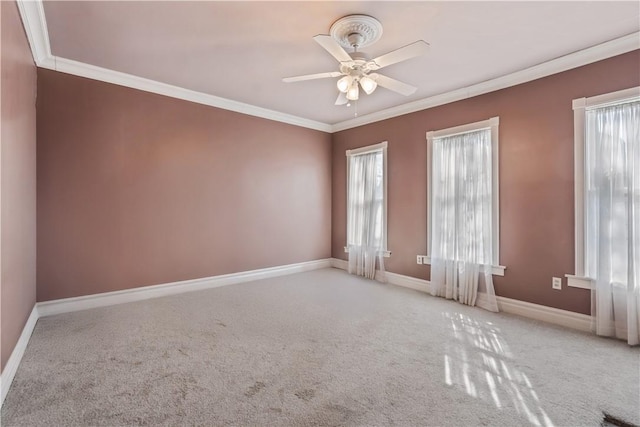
(317,348)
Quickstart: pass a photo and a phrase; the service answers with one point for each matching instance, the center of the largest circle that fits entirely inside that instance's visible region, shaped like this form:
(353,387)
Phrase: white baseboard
(67,305)
(49,308)
(408,282)
(339,263)
(10,369)
(392,278)
(556,316)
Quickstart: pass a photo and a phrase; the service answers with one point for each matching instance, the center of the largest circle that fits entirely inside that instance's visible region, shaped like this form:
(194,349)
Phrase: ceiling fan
(356,69)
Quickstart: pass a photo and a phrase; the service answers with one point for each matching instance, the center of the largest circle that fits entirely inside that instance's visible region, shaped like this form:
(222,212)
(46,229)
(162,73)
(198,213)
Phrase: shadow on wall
(480,365)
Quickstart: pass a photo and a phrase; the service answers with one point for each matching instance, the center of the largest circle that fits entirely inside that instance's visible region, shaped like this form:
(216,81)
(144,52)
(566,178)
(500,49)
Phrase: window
(367,197)
(463,193)
(602,142)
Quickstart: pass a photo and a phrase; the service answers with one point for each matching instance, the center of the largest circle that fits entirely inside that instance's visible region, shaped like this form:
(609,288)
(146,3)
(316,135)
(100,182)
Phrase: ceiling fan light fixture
(344,84)
(368,84)
(353,92)
(355,68)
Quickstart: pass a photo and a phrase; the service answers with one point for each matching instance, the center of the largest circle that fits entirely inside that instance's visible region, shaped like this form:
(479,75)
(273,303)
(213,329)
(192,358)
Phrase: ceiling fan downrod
(355,39)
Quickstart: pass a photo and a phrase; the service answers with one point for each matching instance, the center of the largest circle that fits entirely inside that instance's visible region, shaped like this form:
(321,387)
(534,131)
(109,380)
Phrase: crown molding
(596,53)
(33,18)
(81,69)
(35,24)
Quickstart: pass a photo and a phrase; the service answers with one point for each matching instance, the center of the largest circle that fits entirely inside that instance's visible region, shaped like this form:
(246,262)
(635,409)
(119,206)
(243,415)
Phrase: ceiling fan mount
(356,30)
(356,69)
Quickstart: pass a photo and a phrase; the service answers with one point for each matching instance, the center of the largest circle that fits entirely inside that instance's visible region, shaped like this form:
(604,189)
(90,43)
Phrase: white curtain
(461,209)
(365,240)
(612,234)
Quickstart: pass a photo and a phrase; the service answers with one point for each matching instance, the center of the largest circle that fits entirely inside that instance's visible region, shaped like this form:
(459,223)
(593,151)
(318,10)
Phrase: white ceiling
(241,50)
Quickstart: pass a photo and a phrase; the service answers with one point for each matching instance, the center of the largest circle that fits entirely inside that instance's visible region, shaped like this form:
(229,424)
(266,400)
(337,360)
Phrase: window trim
(493,124)
(580,108)
(382,147)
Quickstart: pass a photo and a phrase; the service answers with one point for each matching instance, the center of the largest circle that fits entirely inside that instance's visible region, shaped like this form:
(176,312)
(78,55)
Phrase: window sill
(496,270)
(579,281)
(385,254)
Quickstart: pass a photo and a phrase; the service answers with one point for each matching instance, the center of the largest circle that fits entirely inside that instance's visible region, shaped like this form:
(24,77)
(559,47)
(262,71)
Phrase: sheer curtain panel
(365,213)
(612,218)
(461,208)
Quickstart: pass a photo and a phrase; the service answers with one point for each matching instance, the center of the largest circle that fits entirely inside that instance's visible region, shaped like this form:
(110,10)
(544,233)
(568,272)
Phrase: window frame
(493,124)
(379,147)
(580,108)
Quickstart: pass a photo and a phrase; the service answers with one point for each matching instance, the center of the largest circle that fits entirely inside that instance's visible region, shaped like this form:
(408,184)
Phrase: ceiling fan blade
(332,46)
(312,77)
(407,52)
(393,84)
(342,99)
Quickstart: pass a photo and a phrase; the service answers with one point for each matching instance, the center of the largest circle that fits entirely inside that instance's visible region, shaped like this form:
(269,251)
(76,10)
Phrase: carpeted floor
(316,348)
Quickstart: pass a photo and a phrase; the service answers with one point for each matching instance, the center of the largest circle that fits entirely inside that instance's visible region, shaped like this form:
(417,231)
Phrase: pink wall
(18,180)
(536,178)
(138,189)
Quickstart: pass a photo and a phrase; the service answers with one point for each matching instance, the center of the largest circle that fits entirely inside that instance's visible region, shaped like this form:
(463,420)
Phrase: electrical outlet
(419,259)
(556,283)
